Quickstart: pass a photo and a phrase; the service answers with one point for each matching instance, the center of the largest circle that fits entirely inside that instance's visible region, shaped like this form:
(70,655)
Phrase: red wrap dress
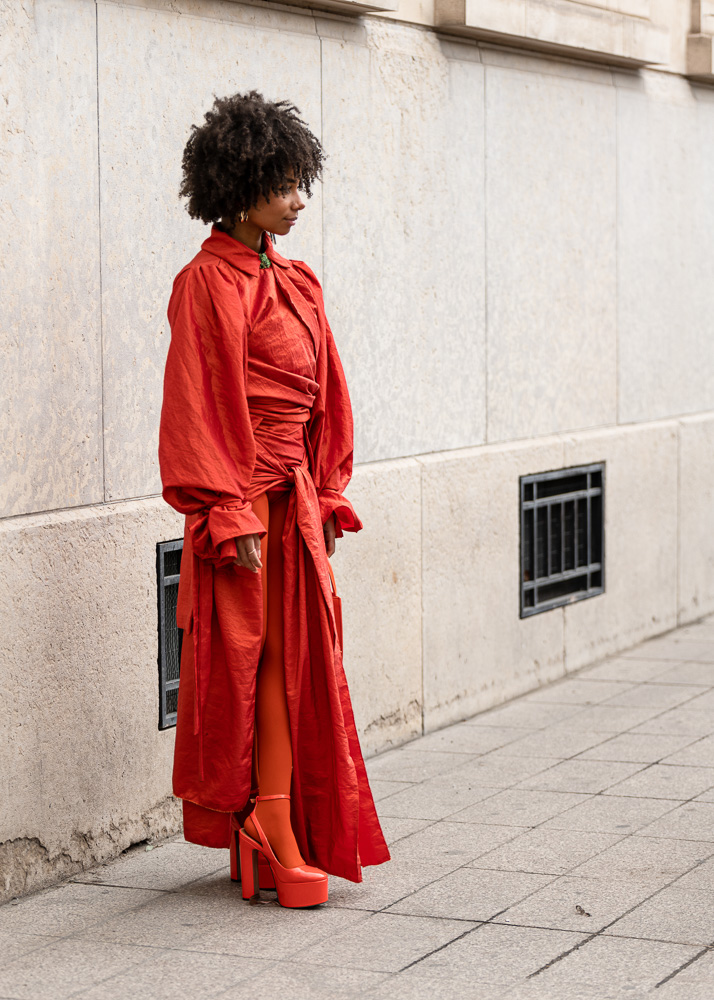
(255,400)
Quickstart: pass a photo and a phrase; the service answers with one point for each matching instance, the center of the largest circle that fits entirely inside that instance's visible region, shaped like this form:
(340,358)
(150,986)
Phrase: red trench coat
(255,398)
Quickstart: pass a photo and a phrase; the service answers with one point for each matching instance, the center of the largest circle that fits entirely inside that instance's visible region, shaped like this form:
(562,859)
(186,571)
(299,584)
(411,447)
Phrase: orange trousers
(272,747)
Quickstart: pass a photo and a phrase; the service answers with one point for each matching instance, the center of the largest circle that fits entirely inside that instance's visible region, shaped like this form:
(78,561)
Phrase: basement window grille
(168,567)
(562,537)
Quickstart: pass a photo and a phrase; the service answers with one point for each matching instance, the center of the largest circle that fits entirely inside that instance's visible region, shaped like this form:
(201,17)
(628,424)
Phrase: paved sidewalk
(561,846)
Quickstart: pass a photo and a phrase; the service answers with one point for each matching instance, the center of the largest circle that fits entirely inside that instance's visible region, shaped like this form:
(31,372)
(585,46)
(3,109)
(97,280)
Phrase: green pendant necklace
(264,259)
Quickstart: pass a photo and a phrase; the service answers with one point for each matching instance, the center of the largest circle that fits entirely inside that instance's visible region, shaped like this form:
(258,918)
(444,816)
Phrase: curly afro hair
(246,148)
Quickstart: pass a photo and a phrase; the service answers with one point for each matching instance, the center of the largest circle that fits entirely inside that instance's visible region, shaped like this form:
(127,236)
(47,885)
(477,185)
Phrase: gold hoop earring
(243,217)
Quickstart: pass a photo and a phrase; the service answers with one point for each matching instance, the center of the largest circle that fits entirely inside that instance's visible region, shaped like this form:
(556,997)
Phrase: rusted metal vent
(562,537)
(168,567)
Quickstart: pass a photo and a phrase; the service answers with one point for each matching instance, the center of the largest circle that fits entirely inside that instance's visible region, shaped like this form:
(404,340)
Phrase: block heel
(301,886)
(265,875)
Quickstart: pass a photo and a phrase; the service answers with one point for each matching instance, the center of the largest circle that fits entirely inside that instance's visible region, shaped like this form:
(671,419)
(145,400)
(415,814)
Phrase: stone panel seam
(617,256)
(41,515)
(296,13)
(322,139)
(678,528)
(422,628)
(99,238)
(583,433)
(447,454)
(67,515)
(485,256)
(541,62)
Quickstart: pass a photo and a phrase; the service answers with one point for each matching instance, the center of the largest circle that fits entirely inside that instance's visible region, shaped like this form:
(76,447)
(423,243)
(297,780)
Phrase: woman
(255,449)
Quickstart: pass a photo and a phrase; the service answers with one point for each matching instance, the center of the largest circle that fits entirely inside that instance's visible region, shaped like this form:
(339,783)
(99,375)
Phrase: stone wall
(515,250)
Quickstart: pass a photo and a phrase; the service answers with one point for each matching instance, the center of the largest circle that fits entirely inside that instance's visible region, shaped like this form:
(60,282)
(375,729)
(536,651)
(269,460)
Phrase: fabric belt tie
(304,509)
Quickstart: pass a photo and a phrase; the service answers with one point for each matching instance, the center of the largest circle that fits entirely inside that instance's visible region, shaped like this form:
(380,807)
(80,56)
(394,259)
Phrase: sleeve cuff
(332,502)
(229,520)
(213,535)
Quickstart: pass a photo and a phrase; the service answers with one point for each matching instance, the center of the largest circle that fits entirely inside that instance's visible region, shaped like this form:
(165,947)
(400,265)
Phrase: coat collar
(238,254)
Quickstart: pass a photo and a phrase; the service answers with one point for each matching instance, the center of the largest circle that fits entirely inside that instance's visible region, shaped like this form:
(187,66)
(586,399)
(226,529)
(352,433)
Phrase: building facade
(515,236)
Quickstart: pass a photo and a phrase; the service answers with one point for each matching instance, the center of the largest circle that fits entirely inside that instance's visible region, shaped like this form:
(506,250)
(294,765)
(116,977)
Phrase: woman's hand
(329,532)
(248,549)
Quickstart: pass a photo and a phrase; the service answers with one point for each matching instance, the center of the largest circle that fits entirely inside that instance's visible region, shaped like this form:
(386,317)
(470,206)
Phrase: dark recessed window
(168,567)
(562,537)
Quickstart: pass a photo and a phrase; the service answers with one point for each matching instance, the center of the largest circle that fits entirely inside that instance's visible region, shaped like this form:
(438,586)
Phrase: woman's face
(280,214)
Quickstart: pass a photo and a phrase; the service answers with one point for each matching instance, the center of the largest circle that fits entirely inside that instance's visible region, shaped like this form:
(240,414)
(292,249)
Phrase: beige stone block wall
(659,553)
(641,514)
(696,517)
(81,759)
(665,136)
(551,273)
(378,573)
(50,387)
(403,235)
(477,651)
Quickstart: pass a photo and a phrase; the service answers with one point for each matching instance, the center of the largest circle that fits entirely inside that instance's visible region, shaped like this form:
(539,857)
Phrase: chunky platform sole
(296,887)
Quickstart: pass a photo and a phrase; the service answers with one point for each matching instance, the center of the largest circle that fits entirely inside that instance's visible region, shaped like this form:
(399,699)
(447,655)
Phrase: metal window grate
(168,566)
(562,537)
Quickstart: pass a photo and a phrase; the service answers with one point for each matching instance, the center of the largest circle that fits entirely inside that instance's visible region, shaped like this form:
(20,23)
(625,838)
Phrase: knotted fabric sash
(283,460)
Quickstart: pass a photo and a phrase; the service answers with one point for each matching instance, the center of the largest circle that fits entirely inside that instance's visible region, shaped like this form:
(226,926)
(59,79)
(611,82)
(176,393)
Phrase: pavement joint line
(469,762)
(183,951)
(602,930)
(601,933)
(111,885)
(653,940)
(131,909)
(121,972)
(685,965)
(256,976)
(360,909)
(661,761)
(683,663)
(441,947)
(621,781)
(653,798)
(636,833)
(527,871)
(687,840)
(328,933)
(106,979)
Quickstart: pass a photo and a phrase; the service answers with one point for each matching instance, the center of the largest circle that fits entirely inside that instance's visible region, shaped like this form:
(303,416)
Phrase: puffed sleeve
(206,445)
(331,427)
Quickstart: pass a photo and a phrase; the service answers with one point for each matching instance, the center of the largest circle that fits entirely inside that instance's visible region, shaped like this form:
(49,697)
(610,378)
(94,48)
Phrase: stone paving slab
(559,846)
(612,814)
